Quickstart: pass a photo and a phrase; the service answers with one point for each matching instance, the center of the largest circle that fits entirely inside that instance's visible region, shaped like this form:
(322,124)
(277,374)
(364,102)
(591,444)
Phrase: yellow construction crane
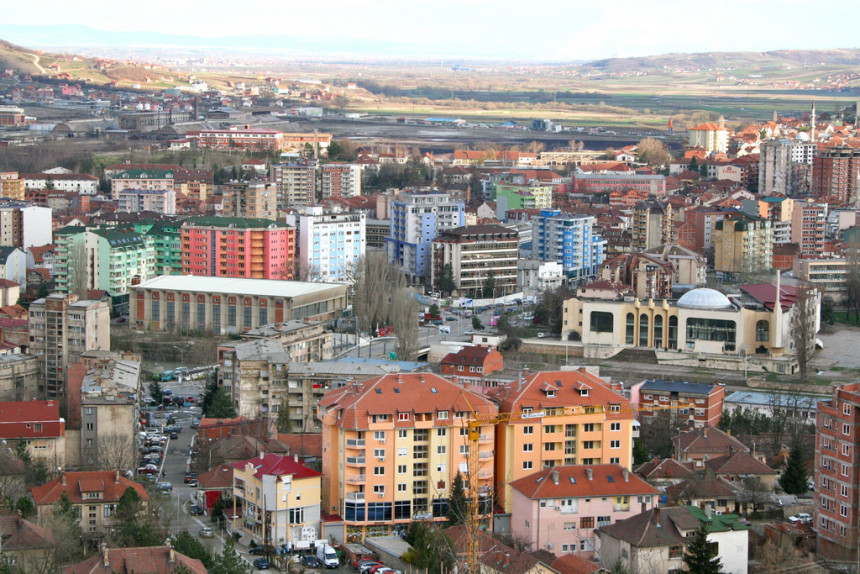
(474,437)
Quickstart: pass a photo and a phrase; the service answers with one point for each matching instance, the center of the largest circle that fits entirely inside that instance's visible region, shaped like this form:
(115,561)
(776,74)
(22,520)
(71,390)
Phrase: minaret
(777,314)
(812,125)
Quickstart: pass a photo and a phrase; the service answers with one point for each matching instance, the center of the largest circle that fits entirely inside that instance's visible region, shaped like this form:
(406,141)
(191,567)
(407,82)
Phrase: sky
(549,30)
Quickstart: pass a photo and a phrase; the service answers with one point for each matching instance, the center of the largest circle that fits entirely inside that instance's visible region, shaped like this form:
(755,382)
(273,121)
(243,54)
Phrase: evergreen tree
(795,479)
(640,453)
(186,544)
(490,284)
(446,279)
(229,561)
(476,323)
(156,392)
(209,393)
(458,506)
(283,423)
(221,407)
(701,556)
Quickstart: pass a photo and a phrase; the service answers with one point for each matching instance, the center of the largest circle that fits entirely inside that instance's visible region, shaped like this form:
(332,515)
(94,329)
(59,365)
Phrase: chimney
(116,477)
(657,515)
(708,512)
(626,474)
(63,478)
(507,558)
(295,458)
(588,473)
(705,431)
(644,507)
(19,517)
(732,449)
(172,555)
(555,477)
(105,555)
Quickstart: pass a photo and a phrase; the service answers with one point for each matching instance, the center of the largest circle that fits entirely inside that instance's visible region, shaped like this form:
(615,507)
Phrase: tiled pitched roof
(401,393)
(20,534)
(695,489)
(573,564)
(147,560)
(707,440)
(112,483)
(469,356)
(574,482)
(653,528)
(738,463)
(277,465)
(664,468)
(219,477)
(493,554)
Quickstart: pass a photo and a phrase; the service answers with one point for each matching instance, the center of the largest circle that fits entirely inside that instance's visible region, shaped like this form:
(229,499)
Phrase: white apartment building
(329,244)
(24,225)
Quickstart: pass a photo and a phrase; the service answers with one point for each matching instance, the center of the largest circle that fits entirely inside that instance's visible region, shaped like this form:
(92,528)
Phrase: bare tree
(755,492)
(803,327)
(115,452)
(404,319)
(77,270)
(653,152)
(372,280)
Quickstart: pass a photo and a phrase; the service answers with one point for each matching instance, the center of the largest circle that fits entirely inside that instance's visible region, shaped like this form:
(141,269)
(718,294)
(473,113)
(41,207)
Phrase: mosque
(752,329)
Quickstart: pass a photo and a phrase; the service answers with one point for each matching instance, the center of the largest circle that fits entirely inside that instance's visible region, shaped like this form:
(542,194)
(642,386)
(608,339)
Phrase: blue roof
(677,387)
(755,398)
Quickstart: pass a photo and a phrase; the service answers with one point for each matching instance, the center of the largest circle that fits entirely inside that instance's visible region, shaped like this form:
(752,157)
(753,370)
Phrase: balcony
(356,479)
(355,496)
(355,461)
(485,454)
(354,442)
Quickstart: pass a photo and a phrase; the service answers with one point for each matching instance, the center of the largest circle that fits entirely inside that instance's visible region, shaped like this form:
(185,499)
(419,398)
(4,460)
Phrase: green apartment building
(512,196)
(166,238)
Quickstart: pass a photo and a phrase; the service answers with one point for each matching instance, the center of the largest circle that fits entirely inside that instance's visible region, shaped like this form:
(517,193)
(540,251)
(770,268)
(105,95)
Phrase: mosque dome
(802,136)
(704,298)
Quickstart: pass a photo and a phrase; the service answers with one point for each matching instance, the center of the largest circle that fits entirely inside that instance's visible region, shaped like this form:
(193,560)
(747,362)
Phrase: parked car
(148,469)
(311,561)
(206,532)
(801,518)
(450,318)
(164,486)
(189,476)
(541,335)
(367,566)
(195,510)
(261,550)
(261,564)
(173,436)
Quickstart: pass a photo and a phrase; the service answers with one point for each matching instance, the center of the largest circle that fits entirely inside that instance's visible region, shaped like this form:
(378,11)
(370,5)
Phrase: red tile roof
(148,560)
(401,393)
(738,463)
(664,468)
(273,464)
(470,356)
(765,293)
(18,419)
(219,477)
(113,485)
(20,534)
(574,482)
(573,564)
(706,440)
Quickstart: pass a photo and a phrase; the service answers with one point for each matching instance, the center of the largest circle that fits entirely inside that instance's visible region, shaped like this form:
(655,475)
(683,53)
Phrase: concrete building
(809,227)
(827,274)
(755,324)
(743,244)
(329,244)
(704,222)
(76,182)
(654,540)
(416,220)
(237,247)
(690,268)
(226,305)
(570,240)
(606,183)
(93,494)
(141,179)
(652,225)
(11,185)
(709,137)
(295,183)
(698,404)
(137,200)
(557,423)
(647,276)
(165,237)
(393,445)
(534,277)
(340,180)
(775,168)
(837,476)
(475,253)
(20,377)
(62,328)
(558,509)
(510,196)
(39,426)
(25,225)
(276,500)
(836,174)
(13,265)
(250,200)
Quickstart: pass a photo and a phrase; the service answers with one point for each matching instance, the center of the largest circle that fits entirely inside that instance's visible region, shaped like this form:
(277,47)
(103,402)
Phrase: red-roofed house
(472,362)
(558,508)
(573,436)
(280,491)
(143,560)
(214,485)
(94,493)
(39,424)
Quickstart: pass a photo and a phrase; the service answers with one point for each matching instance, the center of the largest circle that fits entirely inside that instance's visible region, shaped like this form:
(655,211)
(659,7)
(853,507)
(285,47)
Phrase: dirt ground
(840,357)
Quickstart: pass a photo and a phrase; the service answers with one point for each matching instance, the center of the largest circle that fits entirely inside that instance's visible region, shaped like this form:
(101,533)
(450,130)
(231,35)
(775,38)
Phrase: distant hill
(17,58)
(737,60)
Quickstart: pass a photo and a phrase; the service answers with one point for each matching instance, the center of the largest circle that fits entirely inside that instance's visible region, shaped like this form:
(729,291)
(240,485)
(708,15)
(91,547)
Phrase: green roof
(718,522)
(238,222)
(70,230)
(6,251)
(145,174)
(117,237)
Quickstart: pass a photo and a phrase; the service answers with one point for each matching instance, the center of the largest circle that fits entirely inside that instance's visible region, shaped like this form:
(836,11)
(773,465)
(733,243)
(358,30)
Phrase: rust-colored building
(472,362)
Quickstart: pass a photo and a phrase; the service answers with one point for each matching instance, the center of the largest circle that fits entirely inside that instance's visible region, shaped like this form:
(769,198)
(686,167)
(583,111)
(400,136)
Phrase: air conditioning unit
(718,512)
(549,545)
(381,495)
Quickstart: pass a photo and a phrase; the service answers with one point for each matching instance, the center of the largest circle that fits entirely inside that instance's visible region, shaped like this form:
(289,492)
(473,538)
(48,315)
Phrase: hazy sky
(543,29)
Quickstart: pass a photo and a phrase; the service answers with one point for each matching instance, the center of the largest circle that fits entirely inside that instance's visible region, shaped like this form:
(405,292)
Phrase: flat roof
(238,286)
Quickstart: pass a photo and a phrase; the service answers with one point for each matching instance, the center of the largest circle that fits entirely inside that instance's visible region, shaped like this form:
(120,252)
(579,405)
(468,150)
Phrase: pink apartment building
(557,509)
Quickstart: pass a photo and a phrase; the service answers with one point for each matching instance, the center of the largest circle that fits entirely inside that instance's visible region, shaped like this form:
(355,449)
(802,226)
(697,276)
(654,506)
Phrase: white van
(327,556)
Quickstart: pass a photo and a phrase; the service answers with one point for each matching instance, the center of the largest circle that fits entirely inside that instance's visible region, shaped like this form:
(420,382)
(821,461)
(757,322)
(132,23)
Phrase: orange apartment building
(693,404)
(392,445)
(11,185)
(561,418)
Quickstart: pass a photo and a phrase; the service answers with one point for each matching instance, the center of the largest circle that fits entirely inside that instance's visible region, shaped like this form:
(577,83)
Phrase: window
(401,469)
(549,446)
(441,432)
(528,429)
(615,444)
(379,436)
(549,429)
(379,453)
(378,471)
(588,427)
(658,331)
(379,489)
(631,326)
(441,449)
(588,444)
(711,330)
(643,330)
(570,526)
(673,332)
(846,409)
(402,451)
(843,510)
(528,465)
(401,487)
(528,447)
(464,449)
(615,460)
(402,433)
(762,331)
(586,522)
(601,322)
(674,552)
(297,515)
(614,426)
(442,415)
(846,428)
(403,417)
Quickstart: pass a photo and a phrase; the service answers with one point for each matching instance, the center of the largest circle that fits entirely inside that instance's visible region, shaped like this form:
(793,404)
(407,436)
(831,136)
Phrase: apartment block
(809,227)
(392,446)
(836,174)
(141,179)
(329,244)
(295,183)
(606,183)
(568,239)
(697,404)
(416,220)
(24,225)
(76,182)
(561,418)
(709,137)
(11,185)
(157,201)
(775,167)
(340,180)
(61,329)
(165,238)
(743,244)
(474,253)
(237,247)
(250,200)
(837,475)
(825,273)
(652,225)
(39,426)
